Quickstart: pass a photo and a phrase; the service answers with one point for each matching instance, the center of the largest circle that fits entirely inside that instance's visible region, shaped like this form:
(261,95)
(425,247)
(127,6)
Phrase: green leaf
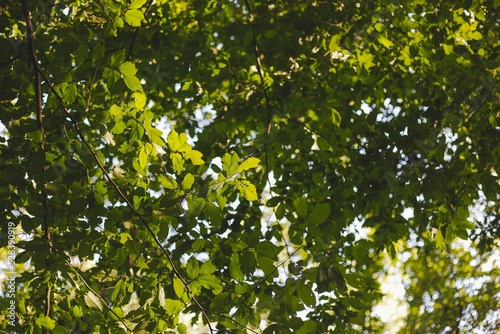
(193,268)
(139,100)
(247,189)
(187,182)
(207,268)
(230,163)
(128,70)
(214,214)
(476,35)
(335,117)
(155,136)
(70,93)
(143,158)
(179,288)
(134,17)
(319,214)
(177,162)
(137,4)
(93,301)
(300,205)
(168,181)
(235,268)
(248,164)
(45,322)
(306,295)
(210,282)
(172,306)
(439,240)
(195,157)
(196,206)
(178,142)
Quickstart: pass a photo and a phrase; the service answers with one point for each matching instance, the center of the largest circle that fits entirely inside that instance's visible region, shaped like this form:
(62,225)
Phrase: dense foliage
(243,162)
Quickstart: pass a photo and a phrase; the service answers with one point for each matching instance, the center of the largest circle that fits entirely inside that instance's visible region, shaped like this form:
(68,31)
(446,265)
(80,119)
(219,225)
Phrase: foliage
(243,161)
(455,293)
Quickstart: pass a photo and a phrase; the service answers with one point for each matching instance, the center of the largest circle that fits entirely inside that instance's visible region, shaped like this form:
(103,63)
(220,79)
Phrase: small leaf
(137,4)
(439,240)
(139,100)
(335,117)
(45,322)
(177,162)
(128,70)
(194,156)
(248,163)
(92,301)
(116,111)
(178,287)
(70,93)
(207,268)
(247,189)
(193,268)
(300,205)
(235,268)
(134,17)
(168,181)
(306,295)
(187,182)
(210,282)
(214,214)
(173,306)
(143,158)
(320,213)
(155,136)
(476,35)
(117,313)
(230,163)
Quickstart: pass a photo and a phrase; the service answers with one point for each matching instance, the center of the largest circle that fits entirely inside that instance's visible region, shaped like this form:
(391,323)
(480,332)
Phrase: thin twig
(136,32)
(39,119)
(13,59)
(263,84)
(101,299)
(480,105)
(237,323)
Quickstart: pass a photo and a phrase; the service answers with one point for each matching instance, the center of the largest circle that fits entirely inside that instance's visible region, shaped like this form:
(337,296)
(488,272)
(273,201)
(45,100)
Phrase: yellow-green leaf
(439,240)
(247,189)
(92,301)
(134,17)
(178,287)
(248,163)
(335,117)
(177,162)
(139,100)
(45,322)
(167,181)
(230,163)
(195,157)
(187,182)
(143,158)
(128,70)
(137,4)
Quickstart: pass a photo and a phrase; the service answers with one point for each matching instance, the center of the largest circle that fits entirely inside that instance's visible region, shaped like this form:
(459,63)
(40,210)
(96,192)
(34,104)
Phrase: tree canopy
(245,166)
